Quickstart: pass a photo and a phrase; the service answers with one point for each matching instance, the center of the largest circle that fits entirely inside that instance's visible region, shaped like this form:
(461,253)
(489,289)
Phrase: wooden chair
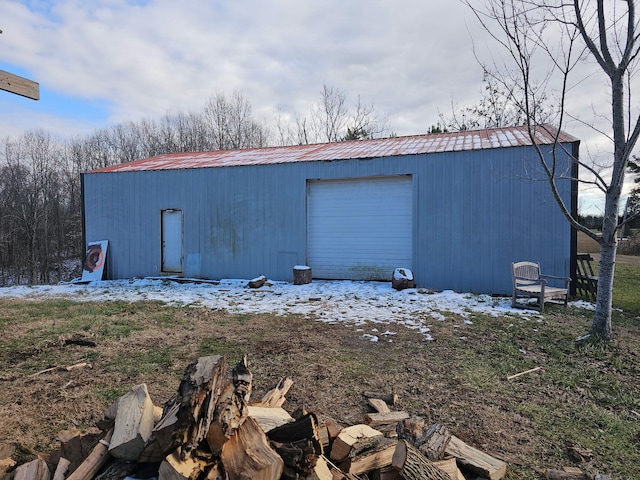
(528,282)
(586,280)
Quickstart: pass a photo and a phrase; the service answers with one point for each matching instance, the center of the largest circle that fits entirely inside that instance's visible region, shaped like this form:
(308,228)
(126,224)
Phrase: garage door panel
(360,229)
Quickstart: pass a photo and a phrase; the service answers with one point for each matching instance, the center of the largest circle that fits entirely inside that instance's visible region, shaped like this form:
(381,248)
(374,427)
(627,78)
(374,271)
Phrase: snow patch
(374,304)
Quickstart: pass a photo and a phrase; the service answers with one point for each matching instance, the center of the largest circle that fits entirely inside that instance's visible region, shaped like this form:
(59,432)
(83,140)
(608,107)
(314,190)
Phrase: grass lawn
(581,409)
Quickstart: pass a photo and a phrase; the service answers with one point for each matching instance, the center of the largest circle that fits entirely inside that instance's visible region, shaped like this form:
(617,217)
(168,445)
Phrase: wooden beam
(19,85)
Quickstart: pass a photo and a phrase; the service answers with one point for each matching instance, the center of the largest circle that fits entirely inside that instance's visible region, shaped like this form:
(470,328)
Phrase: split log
(389,398)
(174,467)
(450,467)
(475,460)
(349,437)
(197,398)
(276,396)
(339,474)
(269,417)
(321,471)
(34,470)
(328,431)
(299,445)
(434,442)
(157,414)
(95,461)
(61,469)
(412,465)
(247,454)
(379,405)
(162,441)
(385,418)
(231,409)
(411,429)
(304,428)
(371,459)
(75,445)
(134,423)
(567,473)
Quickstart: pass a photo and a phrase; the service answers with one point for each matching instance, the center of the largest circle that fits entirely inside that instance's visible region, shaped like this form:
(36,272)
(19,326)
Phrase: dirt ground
(331,365)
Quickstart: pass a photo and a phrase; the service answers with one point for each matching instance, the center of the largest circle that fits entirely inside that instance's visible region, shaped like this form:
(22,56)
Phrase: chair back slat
(527,270)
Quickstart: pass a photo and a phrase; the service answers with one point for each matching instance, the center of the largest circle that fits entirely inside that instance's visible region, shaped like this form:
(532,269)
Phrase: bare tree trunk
(602,319)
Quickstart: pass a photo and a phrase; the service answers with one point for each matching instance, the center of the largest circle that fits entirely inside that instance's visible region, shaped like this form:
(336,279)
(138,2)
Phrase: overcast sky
(101,62)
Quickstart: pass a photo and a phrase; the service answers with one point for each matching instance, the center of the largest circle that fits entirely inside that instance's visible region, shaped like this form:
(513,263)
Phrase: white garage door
(359,229)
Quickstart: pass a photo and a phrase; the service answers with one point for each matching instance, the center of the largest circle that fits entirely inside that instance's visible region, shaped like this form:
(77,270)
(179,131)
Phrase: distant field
(586,244)
(626,284)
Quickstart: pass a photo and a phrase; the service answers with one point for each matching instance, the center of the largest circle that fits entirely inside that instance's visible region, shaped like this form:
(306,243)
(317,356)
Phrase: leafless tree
(230,123)
(549,44)
(501,105)
(33,207)
(331,120)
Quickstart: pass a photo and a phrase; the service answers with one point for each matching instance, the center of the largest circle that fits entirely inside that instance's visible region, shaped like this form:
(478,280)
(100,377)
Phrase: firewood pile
(209,430)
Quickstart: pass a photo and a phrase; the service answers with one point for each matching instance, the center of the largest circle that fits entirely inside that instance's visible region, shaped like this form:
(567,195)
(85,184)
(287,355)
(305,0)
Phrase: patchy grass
(626,287)
(585,396)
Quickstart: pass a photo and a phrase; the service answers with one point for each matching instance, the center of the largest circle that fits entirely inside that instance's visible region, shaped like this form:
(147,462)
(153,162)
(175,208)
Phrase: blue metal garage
(455,208)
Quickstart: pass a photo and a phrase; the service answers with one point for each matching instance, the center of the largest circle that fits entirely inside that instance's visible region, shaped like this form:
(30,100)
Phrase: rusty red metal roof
(357,149)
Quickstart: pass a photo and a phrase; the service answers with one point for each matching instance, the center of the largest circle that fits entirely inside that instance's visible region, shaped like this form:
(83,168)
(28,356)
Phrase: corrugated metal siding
(475,213)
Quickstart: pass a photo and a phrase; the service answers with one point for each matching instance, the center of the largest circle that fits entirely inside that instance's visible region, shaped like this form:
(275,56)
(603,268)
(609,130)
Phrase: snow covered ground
(374,304)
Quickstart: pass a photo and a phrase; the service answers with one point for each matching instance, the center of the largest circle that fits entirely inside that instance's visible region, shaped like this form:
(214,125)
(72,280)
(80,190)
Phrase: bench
(529,283)
(586,280)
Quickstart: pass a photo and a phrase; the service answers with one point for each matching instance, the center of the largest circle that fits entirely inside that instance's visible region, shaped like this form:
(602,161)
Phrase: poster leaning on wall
(93,268)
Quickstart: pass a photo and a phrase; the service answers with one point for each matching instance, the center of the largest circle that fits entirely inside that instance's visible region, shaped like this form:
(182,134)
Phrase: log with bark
(434,442)
(197,398)
(350,437)
(567,473)
(385,418)
(375,458)
(413,465)
(388,398)
(232,407)
(302,275)
(299,445)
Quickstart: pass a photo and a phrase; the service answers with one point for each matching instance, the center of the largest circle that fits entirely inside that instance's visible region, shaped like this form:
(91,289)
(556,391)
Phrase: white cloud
(407,57)
(139,59)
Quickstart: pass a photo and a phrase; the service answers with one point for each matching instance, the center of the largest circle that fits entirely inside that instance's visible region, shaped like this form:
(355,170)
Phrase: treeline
(40,193)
